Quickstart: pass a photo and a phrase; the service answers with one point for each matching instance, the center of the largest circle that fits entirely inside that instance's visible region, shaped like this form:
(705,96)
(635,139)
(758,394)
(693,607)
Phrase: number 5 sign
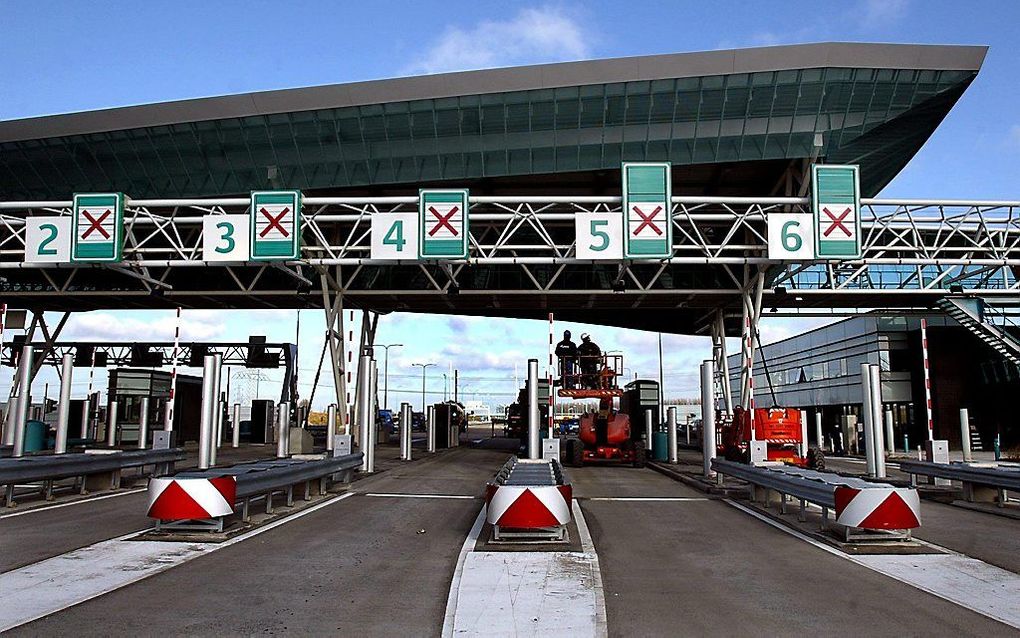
(599,236)
(225,238)
(395,236)
(791,236)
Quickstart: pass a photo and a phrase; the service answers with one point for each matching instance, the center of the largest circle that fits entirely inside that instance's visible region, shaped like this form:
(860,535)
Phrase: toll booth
(638,396)
(451,414)
(127,387)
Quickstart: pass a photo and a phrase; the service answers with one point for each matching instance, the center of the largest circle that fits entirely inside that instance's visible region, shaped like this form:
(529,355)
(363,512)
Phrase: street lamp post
(424,366)
(386,370)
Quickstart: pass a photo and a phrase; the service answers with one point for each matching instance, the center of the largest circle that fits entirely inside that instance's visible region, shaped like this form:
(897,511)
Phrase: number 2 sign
(395,236)
(225,238)
(599,236)
(48,240)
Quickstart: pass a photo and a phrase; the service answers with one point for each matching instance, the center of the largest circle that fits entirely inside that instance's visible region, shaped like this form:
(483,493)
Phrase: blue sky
(71,56)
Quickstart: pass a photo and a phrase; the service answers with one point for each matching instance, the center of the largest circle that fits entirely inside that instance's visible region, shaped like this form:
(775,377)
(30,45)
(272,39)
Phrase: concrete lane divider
(529,498)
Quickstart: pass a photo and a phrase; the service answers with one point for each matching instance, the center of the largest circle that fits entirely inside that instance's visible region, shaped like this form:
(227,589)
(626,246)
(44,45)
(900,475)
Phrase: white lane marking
(649,499)
(395,495)
(601,620)
(458,573)
(54,584)
(47,508)
(968,582)
(518,594)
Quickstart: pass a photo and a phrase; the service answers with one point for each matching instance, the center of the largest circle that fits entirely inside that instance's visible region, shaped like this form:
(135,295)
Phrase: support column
(671,424)
(965,435)
(534,445)
(370,409)
(723,364)
(64,404)
(405,431)
(803,434)
(707,418)
(143,424)
(890,435)
(205,425)
(235,430)
(23,402)
(876,420)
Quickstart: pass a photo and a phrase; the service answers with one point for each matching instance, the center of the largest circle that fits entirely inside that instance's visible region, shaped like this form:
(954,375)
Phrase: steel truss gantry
(909,247)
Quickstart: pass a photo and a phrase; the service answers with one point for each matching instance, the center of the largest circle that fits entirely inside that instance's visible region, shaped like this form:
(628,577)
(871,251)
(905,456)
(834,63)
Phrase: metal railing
(49,468)
(1004,476)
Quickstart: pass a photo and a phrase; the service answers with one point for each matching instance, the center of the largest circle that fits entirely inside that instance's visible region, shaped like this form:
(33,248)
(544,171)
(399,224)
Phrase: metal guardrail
(49,468)
(813,489)
(266,477)
(1002,476)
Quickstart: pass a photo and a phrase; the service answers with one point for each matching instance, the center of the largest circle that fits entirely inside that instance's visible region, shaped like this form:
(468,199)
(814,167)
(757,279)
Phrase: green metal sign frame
(647,183)
(268,220)
(97,251)
(836,202)
(445,247)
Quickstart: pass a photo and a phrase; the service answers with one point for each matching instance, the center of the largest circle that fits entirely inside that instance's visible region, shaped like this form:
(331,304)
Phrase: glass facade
(878,117)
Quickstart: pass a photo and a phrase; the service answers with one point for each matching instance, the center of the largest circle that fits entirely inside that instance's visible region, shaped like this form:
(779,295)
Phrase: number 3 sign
(225,238)
(599,236)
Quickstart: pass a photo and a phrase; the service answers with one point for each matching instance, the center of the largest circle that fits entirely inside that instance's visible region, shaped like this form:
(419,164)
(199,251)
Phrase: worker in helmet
(589,358)
(566,350)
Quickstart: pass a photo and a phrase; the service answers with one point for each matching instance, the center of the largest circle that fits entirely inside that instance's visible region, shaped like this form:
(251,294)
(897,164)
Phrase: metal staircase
(969,312)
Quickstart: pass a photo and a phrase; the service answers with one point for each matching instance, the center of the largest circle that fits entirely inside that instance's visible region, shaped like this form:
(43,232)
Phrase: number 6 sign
(599,236)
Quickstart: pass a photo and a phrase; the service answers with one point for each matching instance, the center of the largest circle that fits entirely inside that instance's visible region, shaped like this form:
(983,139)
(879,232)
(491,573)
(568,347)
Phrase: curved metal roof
(872,103)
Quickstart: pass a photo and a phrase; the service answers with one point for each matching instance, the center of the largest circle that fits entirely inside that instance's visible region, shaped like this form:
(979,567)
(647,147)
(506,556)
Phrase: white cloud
(120,327)
(542,34)
(880,14)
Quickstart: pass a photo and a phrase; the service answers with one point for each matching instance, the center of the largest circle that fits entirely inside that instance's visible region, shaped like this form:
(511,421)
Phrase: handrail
(260,477)
(30,469)
(1003,476)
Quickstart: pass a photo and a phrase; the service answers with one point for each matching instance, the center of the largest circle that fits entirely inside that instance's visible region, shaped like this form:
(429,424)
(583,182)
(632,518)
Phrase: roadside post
(430,428)
(64,406)
(205,425)
(818,431)
(235,429)
(965,434)
(671,424)
(648,429)
(876,420)
(364,410)
(890,436)
(283,431)
(534,449)
(707,417)
(111,421)
(143,423)
(330,426)
(868,415)
(24,400)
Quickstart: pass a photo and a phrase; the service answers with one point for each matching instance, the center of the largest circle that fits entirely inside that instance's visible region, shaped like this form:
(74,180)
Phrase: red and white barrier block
(529,499)
(878,508)
(192,499)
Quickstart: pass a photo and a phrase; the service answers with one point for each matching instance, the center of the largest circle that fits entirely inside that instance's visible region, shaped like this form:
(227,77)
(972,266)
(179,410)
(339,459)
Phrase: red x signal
(274,222)
(96,224)
(444,220)
(646,220)
(837,222)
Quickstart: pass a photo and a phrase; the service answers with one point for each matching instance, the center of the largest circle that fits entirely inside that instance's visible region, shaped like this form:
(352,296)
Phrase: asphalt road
(705,568)
(358,567)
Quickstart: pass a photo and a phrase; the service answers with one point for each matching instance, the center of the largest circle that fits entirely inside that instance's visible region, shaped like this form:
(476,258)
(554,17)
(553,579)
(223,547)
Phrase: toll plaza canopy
(535,146)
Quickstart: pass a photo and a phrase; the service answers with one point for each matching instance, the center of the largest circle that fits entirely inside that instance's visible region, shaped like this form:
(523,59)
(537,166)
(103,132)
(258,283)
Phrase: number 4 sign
(395,236)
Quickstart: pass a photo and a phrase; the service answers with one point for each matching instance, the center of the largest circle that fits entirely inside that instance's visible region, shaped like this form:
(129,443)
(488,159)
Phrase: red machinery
(608,434)
(780,428)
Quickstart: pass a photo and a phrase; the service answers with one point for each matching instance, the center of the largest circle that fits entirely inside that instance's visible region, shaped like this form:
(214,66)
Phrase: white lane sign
(97,224)
(599,236)
(275,225)
(225,238)
(48,240)
(791,236)
(395,236)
